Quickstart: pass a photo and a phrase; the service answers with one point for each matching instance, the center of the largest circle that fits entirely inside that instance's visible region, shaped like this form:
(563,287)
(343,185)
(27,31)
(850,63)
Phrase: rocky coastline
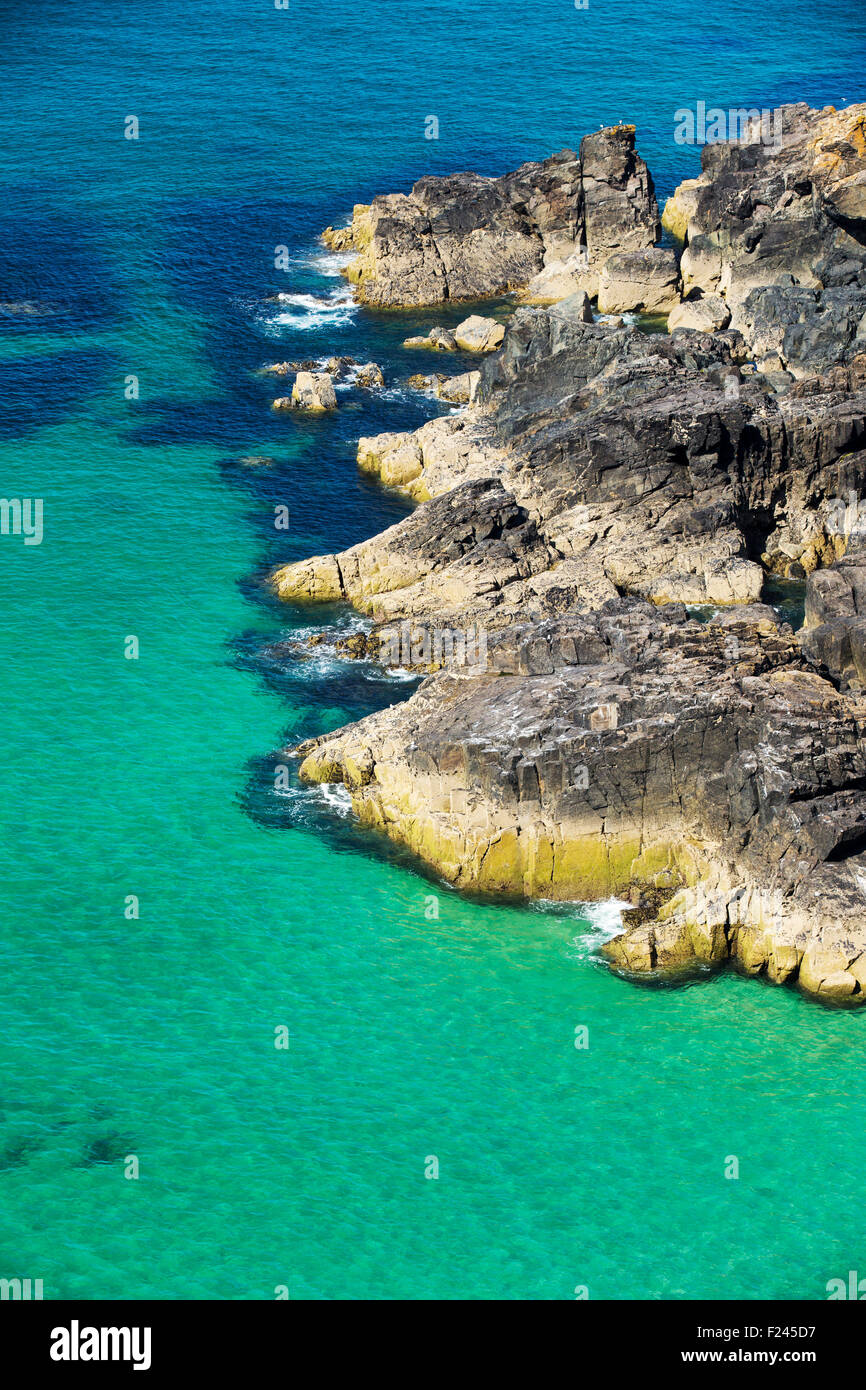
(607,509)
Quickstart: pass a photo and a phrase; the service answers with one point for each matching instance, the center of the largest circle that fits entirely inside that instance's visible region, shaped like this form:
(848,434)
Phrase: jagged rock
(641,472)
(849,377)
(478,334)
(777,229)
(646,280)
(803,330)
(460,390)
(576,307)
(469,237)
(834,634)
(289,368)
(680,208)
(370,375)
(620,212)
(338,368)
(625,747)
(703,313)
(600,740)
(353,237)
(313,392)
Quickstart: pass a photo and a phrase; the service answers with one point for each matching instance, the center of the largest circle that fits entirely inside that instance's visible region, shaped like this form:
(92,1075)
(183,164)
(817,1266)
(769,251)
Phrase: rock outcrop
(369,375)
(561,279)
(479,334)
(634,746)
(470,237)
(457,390)
(586,730)
(313,392)
(639,280)
(778,228)
(437,340)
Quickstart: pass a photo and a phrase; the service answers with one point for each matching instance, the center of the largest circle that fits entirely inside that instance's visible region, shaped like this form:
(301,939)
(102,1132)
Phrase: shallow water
(411,1034)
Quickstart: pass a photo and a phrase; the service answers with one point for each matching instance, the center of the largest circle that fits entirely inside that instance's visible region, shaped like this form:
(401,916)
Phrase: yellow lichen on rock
(679,208)
(318,578)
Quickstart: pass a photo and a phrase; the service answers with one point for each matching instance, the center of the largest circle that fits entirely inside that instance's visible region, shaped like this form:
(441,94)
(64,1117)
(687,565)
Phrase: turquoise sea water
(411,1036)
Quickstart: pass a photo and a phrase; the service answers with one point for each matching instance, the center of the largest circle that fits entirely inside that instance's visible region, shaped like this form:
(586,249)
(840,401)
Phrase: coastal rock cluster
(470,237)
(637,720)
(313,389)
(779,230)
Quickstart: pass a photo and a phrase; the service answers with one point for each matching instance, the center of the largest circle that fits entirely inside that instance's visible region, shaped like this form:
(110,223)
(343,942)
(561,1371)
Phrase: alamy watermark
(443,647)
(739,125)
(20,1290)
(846,518)
(22,516)
(854,1289)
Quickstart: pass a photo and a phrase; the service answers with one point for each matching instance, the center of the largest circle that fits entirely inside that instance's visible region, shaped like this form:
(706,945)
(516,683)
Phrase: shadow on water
(788,597)
(324,811)
(318,677)
(53,275)
(46,390)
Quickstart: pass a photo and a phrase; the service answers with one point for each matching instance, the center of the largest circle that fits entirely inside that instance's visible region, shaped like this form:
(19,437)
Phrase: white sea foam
(309,311)
(330,263)
(629,317)
(310,801)
(604,919)
(325,660)
(336,797)
(401,393)
(399,673)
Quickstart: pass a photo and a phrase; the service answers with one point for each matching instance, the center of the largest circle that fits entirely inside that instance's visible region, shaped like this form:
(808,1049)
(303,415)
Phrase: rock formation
(313,392)
(644,280)
(469,237)
(704,313)
(437,340)
(778,229)
(605,495)
(369,375)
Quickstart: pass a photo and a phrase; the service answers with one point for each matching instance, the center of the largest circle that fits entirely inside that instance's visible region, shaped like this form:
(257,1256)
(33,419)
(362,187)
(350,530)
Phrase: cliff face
(609,742)
(467,237)
(779,230)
